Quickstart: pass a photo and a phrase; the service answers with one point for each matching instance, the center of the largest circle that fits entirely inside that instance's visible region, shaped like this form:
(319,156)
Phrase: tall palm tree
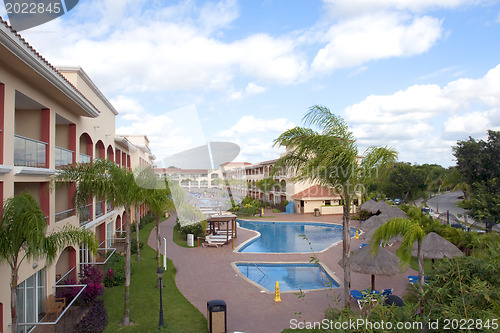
(329,157)
(413,229)
(157,196)
(106,180)
(23,235)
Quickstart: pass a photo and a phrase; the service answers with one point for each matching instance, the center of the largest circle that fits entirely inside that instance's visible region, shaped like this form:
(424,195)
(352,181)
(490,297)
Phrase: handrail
(60,279)
(256,267)
(65,149)
(30,139)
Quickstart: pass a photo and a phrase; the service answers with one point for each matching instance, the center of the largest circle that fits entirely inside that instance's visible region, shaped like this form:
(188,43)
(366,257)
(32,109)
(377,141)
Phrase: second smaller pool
(291,276)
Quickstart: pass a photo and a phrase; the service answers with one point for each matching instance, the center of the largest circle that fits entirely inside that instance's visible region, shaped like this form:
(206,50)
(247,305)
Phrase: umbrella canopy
(384,263)
(436,247)
(366,206)
(380,207)
(373,222)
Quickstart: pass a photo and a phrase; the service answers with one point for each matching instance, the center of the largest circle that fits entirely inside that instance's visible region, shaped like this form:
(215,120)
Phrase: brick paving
(205,274)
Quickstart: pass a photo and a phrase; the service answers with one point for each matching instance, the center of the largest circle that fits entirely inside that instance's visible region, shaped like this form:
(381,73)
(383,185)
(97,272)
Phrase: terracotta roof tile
(316,191)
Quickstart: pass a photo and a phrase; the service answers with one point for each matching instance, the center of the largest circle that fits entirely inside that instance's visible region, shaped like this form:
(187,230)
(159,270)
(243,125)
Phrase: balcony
(65,214)
(109,206)
(98,208)
(85,214)
(85,158)
(29,152)
(63,156)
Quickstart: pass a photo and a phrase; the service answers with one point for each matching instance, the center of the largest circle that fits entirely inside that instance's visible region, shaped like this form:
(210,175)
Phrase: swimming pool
(291,276)
(285,237)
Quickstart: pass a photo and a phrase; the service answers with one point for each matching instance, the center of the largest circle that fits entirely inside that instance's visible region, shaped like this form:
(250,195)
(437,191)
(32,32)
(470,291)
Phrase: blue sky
(414,75)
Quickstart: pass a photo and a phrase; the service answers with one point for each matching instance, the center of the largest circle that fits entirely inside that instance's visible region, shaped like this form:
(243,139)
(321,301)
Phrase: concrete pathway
(205,274)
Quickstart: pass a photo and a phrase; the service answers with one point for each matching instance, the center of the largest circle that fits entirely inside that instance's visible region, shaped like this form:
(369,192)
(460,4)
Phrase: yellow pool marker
(277,297)
(357,234)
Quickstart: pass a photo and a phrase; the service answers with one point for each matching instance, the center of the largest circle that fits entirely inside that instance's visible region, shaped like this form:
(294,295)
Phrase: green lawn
(180,315)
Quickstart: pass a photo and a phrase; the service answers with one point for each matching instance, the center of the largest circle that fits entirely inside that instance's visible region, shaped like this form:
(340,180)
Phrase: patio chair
(54,305)
(363,245)
(413,279)
(386,292)
(360,297)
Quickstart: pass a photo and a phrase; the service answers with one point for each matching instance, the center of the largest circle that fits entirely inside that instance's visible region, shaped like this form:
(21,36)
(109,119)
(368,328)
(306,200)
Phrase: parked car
(397,201)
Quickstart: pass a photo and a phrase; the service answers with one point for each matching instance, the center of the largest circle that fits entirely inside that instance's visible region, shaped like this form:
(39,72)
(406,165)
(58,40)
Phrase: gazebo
(224,225)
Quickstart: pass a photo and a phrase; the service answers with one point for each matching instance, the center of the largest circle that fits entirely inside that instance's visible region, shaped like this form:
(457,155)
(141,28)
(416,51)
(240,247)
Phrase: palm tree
(265,185)
(23,235)
(413,230)
(106,180)
(329,157)
(157,196)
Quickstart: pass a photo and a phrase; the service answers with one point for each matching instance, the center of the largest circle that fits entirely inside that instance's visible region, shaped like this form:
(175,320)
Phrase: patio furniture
(413,279)
(360,298)
(54,305)
(386,292)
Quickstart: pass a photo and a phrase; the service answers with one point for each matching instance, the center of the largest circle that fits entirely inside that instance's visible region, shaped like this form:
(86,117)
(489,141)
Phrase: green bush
(114,271)
(197,229)
(133,246)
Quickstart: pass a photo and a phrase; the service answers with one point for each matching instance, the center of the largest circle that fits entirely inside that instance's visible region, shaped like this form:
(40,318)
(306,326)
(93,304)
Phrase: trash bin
(190,240)
(316,212)
(216,316)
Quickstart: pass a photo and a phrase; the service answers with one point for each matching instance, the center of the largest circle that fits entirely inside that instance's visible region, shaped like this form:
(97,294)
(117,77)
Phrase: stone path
(205,274)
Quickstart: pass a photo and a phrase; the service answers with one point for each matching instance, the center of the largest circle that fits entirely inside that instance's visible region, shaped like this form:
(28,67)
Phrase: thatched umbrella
(384,263)
(373,222)
(436,247)
(380,207)
(367,205)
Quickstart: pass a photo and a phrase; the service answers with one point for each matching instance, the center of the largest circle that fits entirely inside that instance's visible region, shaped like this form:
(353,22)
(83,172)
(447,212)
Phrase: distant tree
(405,181)
(478,162)
(266,185)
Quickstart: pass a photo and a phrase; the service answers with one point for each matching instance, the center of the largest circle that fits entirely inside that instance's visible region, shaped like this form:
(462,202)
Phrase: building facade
(51,117)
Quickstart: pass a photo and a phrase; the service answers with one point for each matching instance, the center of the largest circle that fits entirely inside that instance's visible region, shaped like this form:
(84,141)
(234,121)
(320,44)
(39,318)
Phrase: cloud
(249,125)
(250,89)
(376,36)
(411,119)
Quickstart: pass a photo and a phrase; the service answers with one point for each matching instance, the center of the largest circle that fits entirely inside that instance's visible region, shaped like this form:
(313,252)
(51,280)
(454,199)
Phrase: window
(31,295)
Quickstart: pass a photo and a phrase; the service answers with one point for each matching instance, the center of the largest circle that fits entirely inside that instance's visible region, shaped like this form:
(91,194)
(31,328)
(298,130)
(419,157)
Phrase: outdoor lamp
(159,272)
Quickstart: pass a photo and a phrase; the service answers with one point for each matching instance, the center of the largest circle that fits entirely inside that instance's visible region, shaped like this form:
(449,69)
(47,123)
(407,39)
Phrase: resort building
(243,179)
(51,117)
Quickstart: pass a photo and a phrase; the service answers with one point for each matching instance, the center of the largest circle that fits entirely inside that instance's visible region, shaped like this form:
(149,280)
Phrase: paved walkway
(205,274)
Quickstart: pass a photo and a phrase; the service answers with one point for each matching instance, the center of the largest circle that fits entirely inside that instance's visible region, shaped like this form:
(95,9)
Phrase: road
(448,201)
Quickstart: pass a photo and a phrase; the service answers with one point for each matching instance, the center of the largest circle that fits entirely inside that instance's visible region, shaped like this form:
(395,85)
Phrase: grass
(180,315)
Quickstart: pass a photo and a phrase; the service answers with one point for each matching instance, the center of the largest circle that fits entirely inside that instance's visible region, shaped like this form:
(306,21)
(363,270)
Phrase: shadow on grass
(180,315)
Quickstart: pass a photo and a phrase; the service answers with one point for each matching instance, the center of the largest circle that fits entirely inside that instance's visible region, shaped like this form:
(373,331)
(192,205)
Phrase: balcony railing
(29,152)
(85,214)
(85,158)
(65,214)
(98,208)
(63,156)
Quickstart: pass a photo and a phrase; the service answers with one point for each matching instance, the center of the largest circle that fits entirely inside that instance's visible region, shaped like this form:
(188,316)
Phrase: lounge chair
(213,242)
(360,298)
(386,292)
(363,245)
(413,279)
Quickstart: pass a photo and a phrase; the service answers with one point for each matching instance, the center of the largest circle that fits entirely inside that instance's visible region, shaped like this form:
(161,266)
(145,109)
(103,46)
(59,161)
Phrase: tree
(478,162)
(265,185)
(405,181)
(23,235)
(329,157)
(106,180)
(157,196)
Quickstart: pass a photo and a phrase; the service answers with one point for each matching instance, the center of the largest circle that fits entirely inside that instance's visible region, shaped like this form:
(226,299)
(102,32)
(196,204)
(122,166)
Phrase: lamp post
(160,277)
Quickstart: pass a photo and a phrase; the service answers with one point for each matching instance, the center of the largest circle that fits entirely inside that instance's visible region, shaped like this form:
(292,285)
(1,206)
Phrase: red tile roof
(316,191)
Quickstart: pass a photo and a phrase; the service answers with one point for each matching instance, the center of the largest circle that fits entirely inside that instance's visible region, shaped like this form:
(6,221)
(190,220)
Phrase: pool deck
(205,274)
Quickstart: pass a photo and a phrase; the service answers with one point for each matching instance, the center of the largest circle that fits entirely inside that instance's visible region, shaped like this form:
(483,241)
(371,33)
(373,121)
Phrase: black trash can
(216,316)
(316,212)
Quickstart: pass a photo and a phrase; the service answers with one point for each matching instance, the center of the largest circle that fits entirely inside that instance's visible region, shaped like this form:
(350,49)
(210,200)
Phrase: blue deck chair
(414,279)
(386,292)
(359,297)
(363,245)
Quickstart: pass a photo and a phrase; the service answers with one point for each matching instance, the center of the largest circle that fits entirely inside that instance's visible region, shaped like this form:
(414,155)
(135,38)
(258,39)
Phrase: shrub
(133,246)
(276,210)
(94,321)
(197,229)
(147,219)
(93,279)
(115,271)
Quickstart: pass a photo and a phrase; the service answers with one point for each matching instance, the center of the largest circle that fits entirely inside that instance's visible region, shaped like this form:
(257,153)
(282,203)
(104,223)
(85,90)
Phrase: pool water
(286,237)
(291,276)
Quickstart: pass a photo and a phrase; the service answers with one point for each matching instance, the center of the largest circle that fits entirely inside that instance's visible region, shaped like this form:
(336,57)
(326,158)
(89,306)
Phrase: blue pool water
(291,277)
(285,237)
